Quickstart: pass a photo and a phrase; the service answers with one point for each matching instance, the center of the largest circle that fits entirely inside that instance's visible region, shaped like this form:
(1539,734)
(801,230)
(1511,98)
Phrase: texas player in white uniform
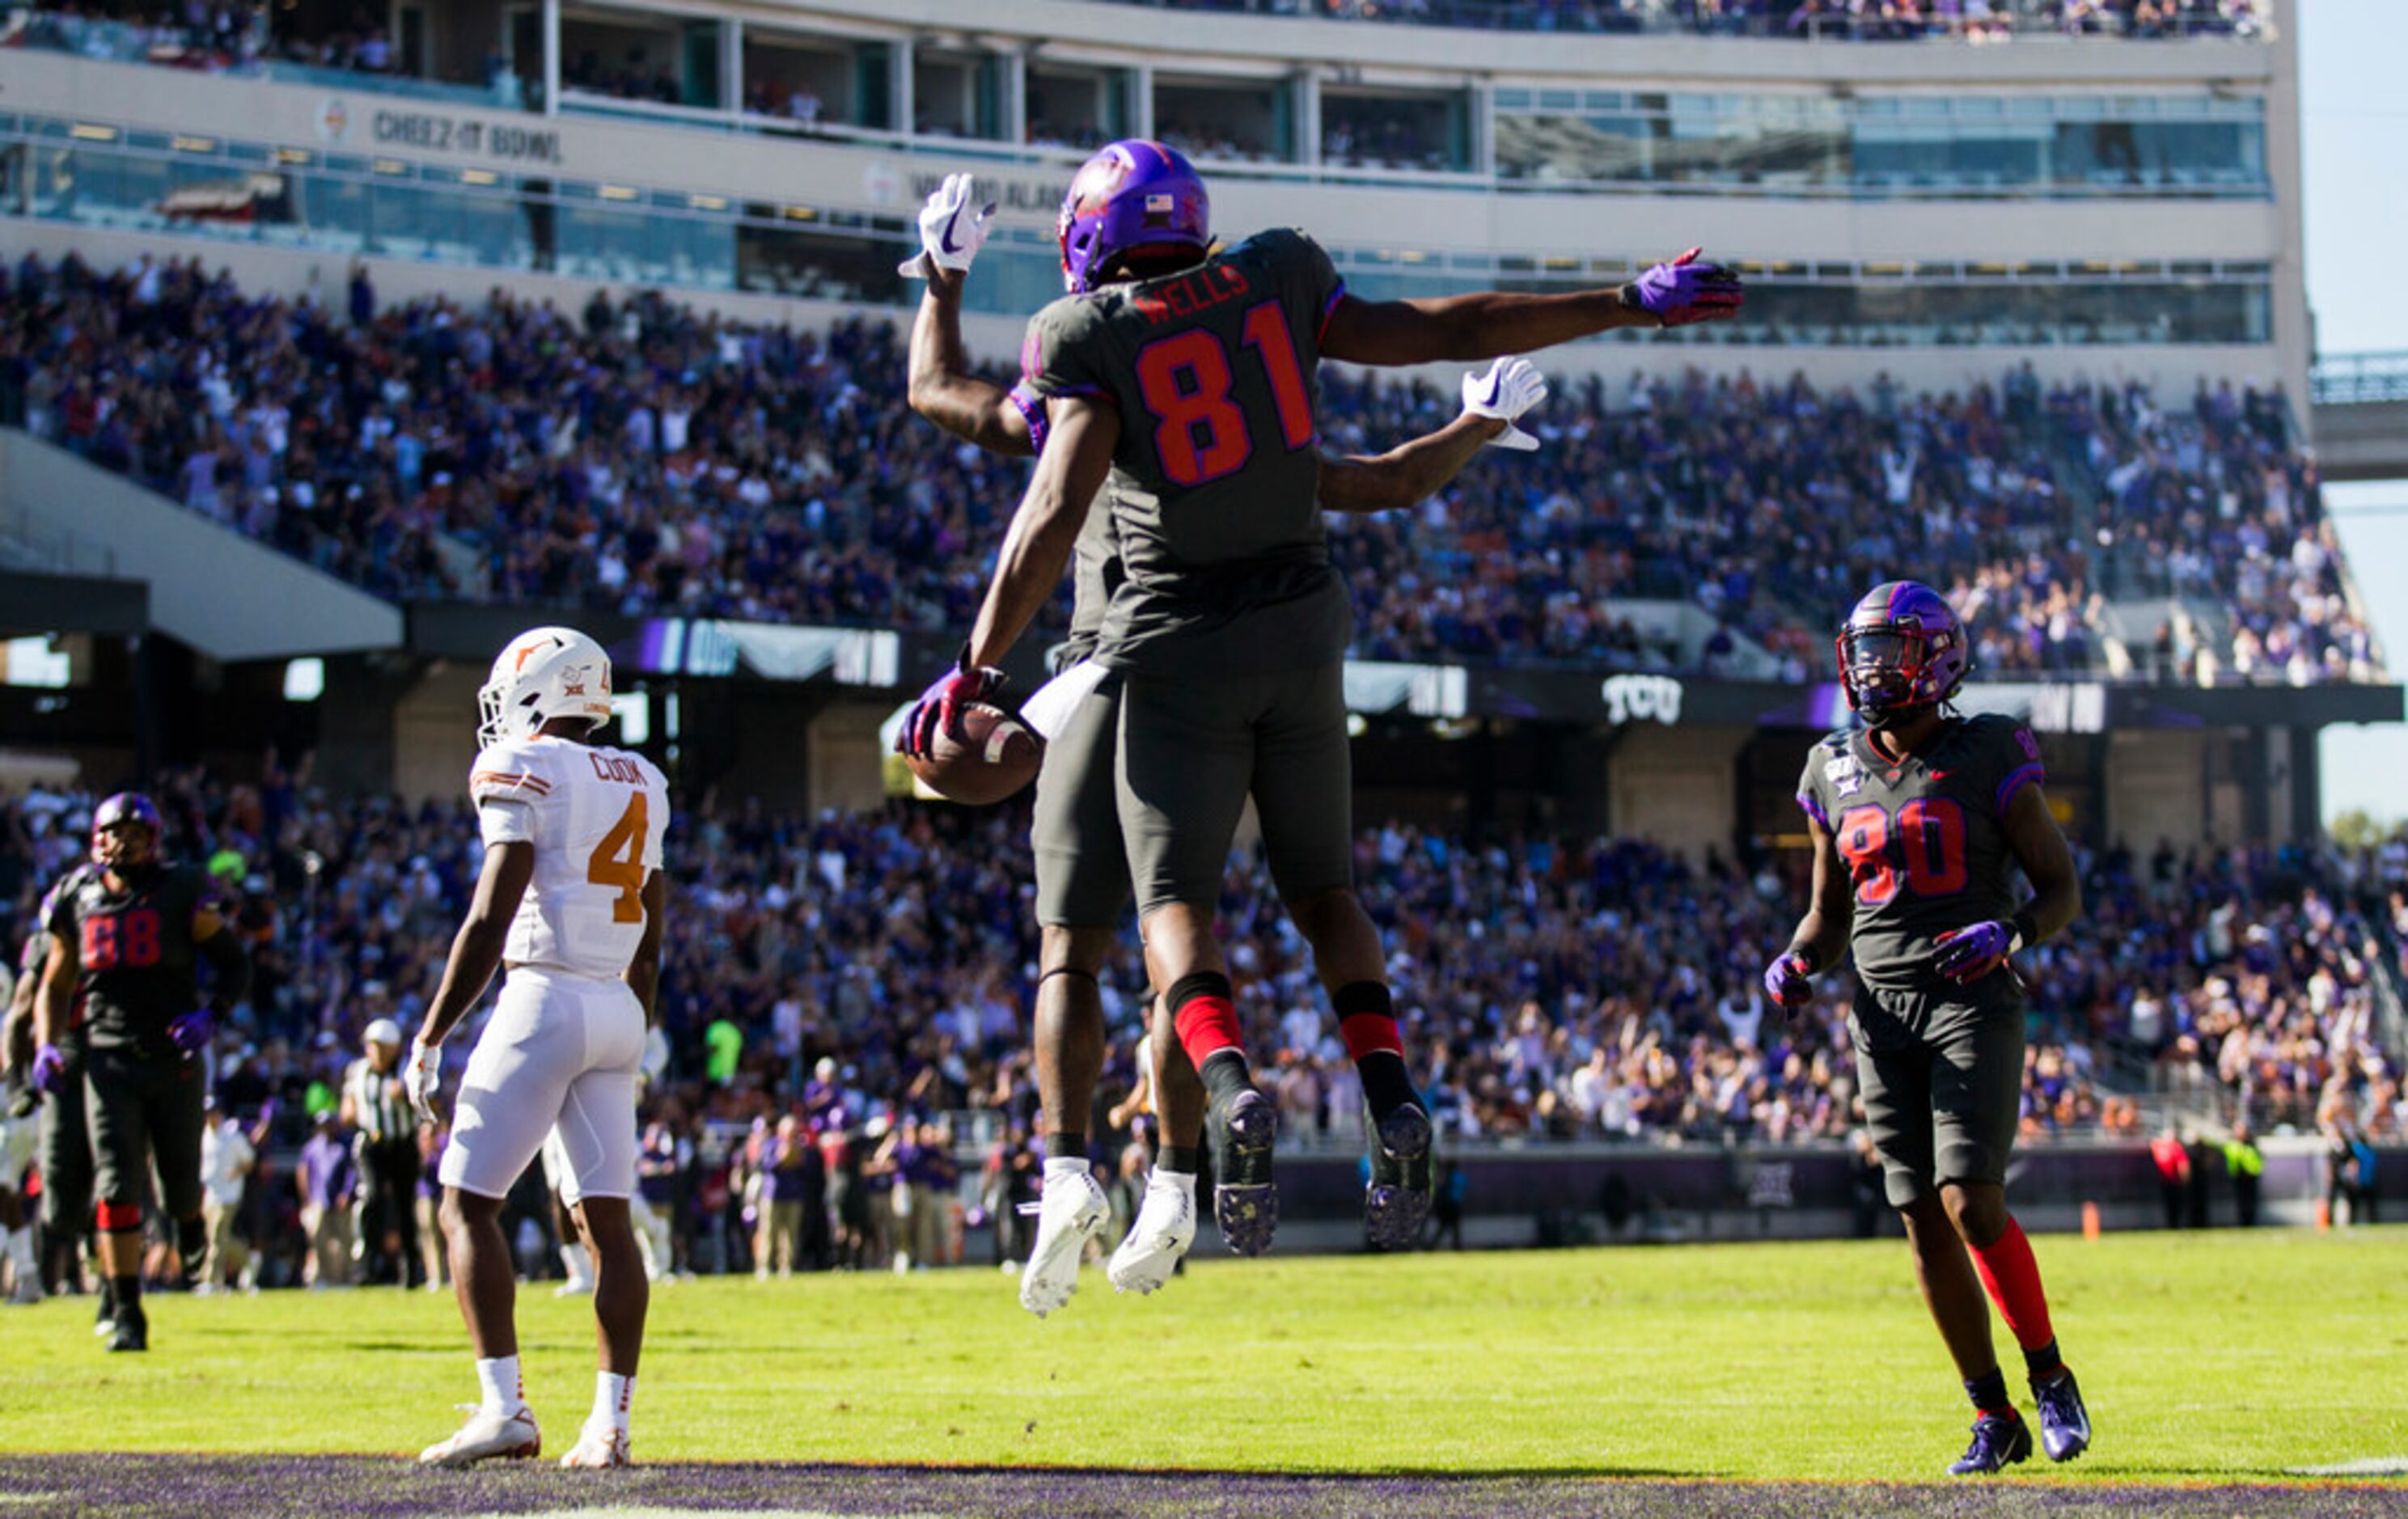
(570,901)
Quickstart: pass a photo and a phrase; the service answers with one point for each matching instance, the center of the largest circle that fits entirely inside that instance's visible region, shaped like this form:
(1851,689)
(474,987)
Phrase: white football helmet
(545,673)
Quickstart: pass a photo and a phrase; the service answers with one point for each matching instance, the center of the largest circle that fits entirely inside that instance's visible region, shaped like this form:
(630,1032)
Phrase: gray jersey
(1096,561)
(1217,478)
(1925,840)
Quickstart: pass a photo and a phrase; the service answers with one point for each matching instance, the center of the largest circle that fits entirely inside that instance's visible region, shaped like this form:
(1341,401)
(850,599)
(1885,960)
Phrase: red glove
(941,706)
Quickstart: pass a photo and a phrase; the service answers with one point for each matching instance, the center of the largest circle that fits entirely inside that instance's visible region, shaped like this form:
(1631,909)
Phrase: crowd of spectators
(1199,138)
(1389,142)
(2210,504)
(635,76)
(1870,21)
(214,36)
(636,456)
(852,966)
(223,32)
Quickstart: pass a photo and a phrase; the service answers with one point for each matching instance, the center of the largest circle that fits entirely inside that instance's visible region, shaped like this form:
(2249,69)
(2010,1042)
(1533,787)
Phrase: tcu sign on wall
(1642,698)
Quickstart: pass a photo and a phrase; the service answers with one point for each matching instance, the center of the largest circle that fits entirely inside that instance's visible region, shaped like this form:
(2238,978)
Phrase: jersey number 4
(1200,434)
(618,861)
(1924,843)
(120,938)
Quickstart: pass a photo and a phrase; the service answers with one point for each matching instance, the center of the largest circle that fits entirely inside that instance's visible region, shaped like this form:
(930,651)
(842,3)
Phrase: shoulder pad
(511,771)
(1273,242)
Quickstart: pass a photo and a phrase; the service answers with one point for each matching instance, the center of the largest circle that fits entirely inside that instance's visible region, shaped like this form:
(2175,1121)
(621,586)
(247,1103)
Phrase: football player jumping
(1920,821)
(1082,881)
(127,933)
(569,904)
(1180,380)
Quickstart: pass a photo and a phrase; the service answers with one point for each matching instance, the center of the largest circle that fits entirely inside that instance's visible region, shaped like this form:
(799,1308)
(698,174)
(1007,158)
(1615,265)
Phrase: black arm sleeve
(232,967)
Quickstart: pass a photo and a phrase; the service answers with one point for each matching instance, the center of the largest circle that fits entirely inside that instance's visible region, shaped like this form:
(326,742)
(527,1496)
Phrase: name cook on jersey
(616,767)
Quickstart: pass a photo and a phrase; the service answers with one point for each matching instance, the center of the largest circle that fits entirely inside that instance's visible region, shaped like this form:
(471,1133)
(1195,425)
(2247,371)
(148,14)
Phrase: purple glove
(1968,954)
(49,1069)
(941,706)
(191,1033)
(1685,291)
(1785,982)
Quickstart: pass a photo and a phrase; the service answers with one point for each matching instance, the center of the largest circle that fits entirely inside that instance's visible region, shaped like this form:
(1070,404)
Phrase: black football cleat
(1245,1203)
(1397,1201)
(2064,1422)
(1999,1440)
(133,1332)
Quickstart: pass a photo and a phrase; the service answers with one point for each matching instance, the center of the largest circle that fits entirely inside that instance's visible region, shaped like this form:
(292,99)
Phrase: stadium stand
(638,457)
(1865,21)
(1559,989)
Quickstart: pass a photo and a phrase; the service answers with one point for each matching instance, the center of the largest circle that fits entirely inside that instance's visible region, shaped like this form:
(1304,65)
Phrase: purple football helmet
(1135,194)
(1902,648)
(116,851)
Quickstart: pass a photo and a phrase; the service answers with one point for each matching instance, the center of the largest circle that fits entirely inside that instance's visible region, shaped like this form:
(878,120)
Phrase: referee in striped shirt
(385,1140)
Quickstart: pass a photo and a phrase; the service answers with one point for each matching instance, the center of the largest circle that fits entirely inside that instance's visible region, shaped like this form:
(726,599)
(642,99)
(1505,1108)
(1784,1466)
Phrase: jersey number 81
(1201,434)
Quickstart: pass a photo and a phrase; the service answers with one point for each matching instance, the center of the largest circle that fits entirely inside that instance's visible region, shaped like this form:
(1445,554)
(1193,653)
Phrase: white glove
(1511,387)
(948,239)
(421,1077)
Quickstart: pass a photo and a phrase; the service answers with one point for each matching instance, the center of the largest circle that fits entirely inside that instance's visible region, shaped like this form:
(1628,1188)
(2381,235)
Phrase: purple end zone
(145,1485)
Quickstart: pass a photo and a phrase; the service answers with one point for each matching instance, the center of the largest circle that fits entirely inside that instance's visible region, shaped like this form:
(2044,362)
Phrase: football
(996,757)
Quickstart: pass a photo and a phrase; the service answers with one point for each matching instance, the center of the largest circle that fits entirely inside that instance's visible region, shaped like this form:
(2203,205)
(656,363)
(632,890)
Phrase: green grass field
(2205,1357)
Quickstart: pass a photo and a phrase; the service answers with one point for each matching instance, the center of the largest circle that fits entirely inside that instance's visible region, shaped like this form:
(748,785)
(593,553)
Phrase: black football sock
(1065,1146)
(1386,1084)
(1989,1393)
(1185,1159)
(125,1297)
(1367,1020)
(2043,1363)
(1225,1074)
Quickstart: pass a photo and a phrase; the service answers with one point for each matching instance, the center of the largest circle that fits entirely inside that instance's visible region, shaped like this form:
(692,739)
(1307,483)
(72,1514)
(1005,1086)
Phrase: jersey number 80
(1924,843)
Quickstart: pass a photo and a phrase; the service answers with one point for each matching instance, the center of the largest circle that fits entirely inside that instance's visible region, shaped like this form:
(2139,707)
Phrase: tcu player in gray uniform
(1083,882)
(1920,821)
(1183,378)
(129,931)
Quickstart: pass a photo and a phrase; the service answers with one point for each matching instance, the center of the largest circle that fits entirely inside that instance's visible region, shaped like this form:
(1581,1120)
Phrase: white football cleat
(1069,1214)
(1159,1240)
(487,1436)
(599,1448)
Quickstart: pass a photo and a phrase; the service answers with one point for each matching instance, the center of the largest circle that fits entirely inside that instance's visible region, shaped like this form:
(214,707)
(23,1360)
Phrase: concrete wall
(1677,786)
(434,732)
(2156,787)
(846,758)
(210,587)
(1556,1192)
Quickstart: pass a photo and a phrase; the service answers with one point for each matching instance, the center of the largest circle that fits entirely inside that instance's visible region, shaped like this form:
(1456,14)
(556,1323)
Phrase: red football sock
(1370,1033)
(1207,1025)
(2011,1277)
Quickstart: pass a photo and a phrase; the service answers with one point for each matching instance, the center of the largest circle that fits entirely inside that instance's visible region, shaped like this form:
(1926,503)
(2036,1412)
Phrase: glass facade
(55,170)
(2013,145)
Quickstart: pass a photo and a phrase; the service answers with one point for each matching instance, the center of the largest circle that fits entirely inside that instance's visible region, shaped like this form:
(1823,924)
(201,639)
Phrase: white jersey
(595,817)
(18,1139)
